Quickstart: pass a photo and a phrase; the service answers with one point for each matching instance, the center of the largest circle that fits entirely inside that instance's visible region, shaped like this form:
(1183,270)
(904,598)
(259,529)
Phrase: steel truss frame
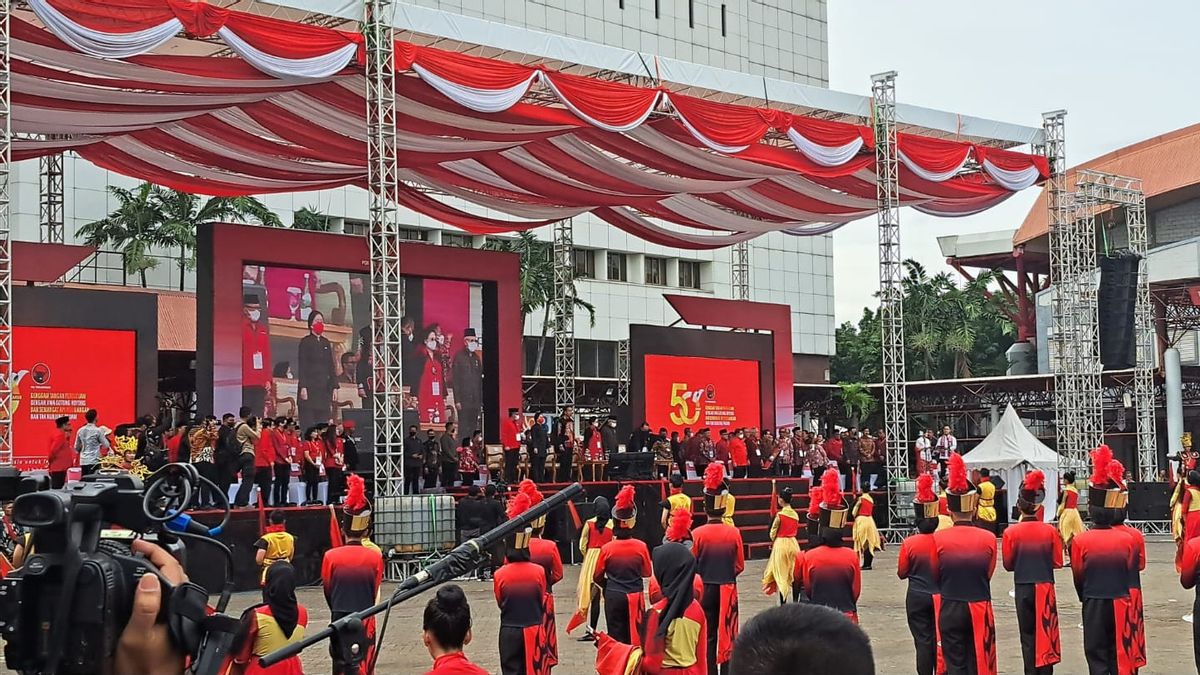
(623,372)
(1094,190)
(740,267)
(384,244)
(891,292)
(564,313)
(50,171)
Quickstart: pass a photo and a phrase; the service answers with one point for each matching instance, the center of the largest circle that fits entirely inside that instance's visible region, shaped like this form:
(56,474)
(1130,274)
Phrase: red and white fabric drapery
(289,115)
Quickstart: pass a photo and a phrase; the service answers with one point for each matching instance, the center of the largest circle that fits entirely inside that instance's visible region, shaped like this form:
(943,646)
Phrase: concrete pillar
(1174,387)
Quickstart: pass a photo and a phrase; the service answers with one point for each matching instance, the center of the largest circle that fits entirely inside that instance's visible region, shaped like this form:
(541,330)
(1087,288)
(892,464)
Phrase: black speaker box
(1117,298)
(1149,501)
(631,466)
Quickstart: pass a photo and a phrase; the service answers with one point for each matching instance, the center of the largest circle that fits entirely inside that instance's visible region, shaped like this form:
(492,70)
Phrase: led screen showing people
(306,346)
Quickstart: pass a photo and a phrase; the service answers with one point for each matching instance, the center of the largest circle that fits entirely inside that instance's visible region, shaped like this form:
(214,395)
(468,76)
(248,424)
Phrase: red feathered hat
(1032,492)
(961,496)
(624,511)
(813,519)
(834,513)
(679,529)
(715,490)
(516,506)
(925,504)
(355,506)
(1107,484)
(530,490)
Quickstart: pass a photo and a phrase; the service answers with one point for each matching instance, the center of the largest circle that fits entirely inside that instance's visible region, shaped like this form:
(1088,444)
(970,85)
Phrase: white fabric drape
(312,68)
(931,176)
(101,44)
(479,100)
(825,156)
(1012,180)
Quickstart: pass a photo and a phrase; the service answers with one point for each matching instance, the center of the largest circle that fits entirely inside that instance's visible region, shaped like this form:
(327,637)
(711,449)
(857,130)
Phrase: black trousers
(449,473)
(337,483)
(262,478)
(245,464)
(312,482)
(537,466)
(511,457)
(89,469)
(868,558)
(512,651)
(740,471)
(283,476)
(958,638)
(1099,636)
(566,462)
(616,616)
(921,623)
(412,480)
(225,470)
(255,398)
(205,495)
(57,479)
(1027,628)
(710,602)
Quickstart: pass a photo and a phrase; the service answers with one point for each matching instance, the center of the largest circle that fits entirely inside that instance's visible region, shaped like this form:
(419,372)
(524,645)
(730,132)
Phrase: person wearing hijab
(595,533)
(676,628)
(279,621)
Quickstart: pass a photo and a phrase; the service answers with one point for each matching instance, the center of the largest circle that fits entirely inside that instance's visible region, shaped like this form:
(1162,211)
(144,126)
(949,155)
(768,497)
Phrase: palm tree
(856,400)
(537,282)
(309,218)
(132,228)
(183,214)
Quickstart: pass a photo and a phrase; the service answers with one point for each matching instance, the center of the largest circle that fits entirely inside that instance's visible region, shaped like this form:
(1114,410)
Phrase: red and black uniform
(545,553)
(918,563)
(832,578)
(351,575)
(720,558)
(1135,593)
(520,589)
(1032,551)
(263,636)
(622,565)
(1101,561)
(1189,575)
(455,664)
(966,559)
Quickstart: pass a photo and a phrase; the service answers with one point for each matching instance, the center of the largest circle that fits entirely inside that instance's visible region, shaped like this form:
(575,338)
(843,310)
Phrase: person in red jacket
(1101,563)
(741,457)
(1135,572)
(830,571)
(264,459)
(1032,551)
(520,589)
(351,574)
(622,565)
(281,463)
(917,562)
(545,553)
(59,454)
(966,559)
(1189,576)
(720,558)
(256,355)
(510,440)
(447,629)
(676,631)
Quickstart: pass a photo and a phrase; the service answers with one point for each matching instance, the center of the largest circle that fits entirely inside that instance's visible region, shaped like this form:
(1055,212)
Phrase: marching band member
(966,559)
(275,545)
(945,522)
(544,552)
(781,565)
(447,629)
(1189,509)
(622,565)
(812,519)
(520,589)
(985,516)
(1189,575)
(1115,468)
(865,533)
(676,627)
(917,563)
(830,571)
(720,558)
(1101,562)
(679,531)
(279,621)
(1032,551)
(676,500)
(351,574)
(594,534)
(1069,522)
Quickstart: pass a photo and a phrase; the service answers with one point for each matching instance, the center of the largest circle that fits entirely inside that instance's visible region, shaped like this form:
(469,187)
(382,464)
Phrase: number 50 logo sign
(685,405)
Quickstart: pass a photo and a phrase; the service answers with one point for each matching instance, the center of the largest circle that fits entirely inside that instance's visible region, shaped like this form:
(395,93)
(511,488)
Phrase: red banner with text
(696,392)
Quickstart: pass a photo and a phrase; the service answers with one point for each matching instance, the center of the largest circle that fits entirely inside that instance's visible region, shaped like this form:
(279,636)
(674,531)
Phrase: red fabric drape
(722,123)
(935,155)
(1012,161)
(611,103)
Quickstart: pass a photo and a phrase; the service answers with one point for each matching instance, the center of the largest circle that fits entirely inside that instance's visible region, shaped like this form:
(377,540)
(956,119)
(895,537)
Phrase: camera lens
(39,509)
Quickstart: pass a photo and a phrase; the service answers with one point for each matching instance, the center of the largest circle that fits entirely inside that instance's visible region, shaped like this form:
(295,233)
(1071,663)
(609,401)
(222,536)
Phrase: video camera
(63,610)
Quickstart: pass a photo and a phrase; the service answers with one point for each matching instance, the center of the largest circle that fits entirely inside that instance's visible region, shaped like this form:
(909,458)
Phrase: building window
(595,358)
(656,271)
(358,228)
(546,366)
(413,234)
(457,240)
(616,267)
(585,263)
(689,274)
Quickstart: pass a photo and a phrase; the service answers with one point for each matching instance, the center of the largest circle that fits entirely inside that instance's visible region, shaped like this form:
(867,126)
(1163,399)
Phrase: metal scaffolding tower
(623,372)
(384,245)
(51,193)
(1095,189)
(564,314)
(891,293)
(5,236)
(740,266)
(1085,357)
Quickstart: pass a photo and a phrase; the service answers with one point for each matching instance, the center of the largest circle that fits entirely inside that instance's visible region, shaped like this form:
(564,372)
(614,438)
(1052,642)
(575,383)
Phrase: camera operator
(247,433)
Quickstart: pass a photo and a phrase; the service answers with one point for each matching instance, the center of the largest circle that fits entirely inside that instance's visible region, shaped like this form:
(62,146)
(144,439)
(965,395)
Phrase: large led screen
(697,392)
(66,371)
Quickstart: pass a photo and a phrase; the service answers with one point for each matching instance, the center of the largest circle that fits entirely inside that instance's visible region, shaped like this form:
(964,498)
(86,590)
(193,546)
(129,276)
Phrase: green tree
(309,218)
(537,282)
(183,214)
(132,228)
(857,401)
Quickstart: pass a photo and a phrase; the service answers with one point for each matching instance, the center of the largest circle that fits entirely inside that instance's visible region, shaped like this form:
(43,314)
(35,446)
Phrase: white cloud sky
(1123,71)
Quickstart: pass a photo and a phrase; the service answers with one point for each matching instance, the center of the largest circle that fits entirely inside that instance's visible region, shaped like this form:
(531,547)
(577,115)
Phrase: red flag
(574,515)
(774,498)
(262,514)
(335,531)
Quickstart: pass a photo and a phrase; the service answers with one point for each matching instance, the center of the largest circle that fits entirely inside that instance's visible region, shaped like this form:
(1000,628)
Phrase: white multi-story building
(621,275)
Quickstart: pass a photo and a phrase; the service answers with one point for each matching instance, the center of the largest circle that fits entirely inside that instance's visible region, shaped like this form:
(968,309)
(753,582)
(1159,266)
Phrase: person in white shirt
(924,448)
(946,444)
(89,441)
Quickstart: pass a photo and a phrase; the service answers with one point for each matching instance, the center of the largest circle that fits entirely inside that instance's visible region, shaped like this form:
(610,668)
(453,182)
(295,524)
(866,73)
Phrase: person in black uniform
(917,562)
(317,375)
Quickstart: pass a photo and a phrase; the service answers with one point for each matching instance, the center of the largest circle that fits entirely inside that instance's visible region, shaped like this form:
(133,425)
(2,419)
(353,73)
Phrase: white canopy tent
(1011,450)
